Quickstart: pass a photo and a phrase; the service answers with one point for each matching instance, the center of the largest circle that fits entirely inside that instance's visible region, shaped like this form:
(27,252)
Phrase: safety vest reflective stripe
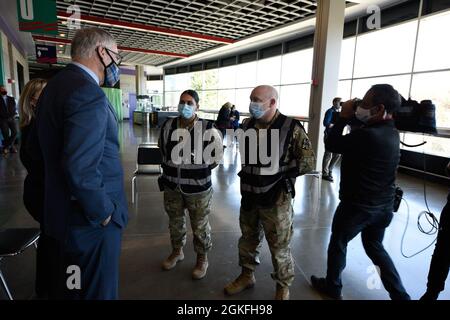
(191,182)
(186,166)
(260,179)
(253,170)
(189,177)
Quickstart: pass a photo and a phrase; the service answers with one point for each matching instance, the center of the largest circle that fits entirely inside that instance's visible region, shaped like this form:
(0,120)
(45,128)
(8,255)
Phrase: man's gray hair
(87,40)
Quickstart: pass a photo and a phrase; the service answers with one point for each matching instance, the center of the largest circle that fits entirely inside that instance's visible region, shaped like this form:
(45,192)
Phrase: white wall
(5,59)
(128,85)
(13,89)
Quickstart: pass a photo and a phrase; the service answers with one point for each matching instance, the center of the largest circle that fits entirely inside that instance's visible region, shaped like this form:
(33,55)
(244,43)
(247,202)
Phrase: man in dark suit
(85,209)
(7,121)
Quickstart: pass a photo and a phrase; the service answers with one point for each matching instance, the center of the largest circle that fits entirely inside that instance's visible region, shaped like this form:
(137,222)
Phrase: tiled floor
(146,239)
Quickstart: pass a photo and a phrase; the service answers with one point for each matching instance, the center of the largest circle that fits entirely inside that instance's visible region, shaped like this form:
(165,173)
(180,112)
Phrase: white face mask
(363,115)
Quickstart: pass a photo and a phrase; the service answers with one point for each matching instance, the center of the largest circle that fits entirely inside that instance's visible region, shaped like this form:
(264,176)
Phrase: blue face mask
(112,75)
(186,111)
(256,110)
(112,72)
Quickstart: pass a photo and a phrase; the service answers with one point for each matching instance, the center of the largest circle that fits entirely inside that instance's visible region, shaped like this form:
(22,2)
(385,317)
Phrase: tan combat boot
(246,280)
(282,293)
(199,271)
(171,261)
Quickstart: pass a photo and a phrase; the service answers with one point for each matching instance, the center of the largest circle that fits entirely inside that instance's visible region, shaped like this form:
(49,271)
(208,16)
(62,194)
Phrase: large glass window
(386,51)
(227,77)
(243,99)
(400,83)
(297,67)
(347,55)
(211,79)
(246,75)
(209,100)
(434,86)
(269,71)
(172,98)
(435,145)
(226,96)
(294,99)
(433,45)
(177,82)
(344,87)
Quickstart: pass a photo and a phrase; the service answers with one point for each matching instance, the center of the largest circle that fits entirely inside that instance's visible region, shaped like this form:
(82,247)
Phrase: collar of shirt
(259,125)
(89,71)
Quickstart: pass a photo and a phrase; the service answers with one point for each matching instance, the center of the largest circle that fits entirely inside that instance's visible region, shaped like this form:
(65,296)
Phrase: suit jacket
(8,111)
(78,140)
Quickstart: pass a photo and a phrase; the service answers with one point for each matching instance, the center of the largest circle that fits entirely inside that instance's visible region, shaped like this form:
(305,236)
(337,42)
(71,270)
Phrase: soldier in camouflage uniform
(266,206)
(187,186)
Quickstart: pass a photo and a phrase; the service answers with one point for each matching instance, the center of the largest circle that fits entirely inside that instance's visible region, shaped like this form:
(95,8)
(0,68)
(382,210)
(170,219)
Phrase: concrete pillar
(12,73)
(325,74)
(141,80)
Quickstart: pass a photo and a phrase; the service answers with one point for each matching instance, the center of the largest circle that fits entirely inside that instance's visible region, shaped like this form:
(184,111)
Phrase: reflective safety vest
(189,178)
(263,182)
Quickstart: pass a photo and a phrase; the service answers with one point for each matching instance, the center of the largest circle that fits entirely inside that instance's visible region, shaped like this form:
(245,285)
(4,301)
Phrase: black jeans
(440,263)
(9,132)
(349,220)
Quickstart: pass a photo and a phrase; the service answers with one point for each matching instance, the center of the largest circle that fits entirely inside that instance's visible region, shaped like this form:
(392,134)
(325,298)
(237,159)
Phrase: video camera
(413,116)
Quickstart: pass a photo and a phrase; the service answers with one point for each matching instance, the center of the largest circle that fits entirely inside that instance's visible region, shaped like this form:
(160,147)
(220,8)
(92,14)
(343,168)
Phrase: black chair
(149,161)
(14,242)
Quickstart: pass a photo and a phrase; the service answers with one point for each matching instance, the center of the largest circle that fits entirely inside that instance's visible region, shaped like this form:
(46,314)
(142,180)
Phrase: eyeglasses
(118,58)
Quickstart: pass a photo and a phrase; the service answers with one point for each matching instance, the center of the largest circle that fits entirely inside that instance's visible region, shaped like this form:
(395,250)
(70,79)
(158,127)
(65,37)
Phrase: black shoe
(328,178)
(429,296)
(320,284)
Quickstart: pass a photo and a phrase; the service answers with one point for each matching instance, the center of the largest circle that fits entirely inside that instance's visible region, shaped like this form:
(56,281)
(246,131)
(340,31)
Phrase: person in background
(223,119)
(7,121)
(33,187)
(370,157)
(440,262)
(330,158)
(234,117)
(188,186)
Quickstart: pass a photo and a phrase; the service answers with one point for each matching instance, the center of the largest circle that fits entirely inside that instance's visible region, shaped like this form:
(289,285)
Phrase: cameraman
(440,262)
(370,156)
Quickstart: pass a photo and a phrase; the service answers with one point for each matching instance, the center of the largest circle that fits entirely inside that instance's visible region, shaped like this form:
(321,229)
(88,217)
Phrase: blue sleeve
(328,118)
(85,123)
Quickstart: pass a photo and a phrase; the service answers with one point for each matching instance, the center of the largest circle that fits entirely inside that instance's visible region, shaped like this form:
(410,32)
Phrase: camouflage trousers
(198,206)
(276,223)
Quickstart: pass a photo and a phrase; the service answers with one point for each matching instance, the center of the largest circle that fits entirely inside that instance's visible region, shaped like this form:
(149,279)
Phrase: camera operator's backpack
(413,116)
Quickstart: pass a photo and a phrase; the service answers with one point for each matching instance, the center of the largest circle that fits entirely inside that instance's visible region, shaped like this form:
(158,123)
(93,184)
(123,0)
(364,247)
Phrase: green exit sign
(37,16)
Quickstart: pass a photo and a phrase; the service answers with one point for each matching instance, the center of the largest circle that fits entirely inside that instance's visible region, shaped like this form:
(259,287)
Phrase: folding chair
(149,161)
(14,242)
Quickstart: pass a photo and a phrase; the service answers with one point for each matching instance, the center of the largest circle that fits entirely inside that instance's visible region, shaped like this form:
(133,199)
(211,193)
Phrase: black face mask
(3,92)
